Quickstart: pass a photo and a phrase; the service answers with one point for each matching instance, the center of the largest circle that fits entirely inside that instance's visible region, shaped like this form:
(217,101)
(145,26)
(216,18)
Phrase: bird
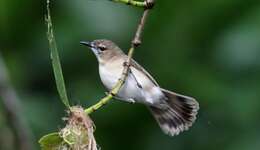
(173,112)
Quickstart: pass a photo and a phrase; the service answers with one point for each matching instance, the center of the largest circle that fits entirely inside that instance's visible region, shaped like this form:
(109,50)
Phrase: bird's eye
(102,47)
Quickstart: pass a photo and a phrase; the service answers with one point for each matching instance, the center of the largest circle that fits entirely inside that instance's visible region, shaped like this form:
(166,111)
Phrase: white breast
(108,77)
(148,93)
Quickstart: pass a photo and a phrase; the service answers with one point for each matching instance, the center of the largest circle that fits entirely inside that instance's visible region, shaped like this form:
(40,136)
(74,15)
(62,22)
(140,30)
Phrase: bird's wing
(134,64)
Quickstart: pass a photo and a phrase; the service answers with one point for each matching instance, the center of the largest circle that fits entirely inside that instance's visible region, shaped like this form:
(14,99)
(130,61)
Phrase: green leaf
(51,141)
(56,60)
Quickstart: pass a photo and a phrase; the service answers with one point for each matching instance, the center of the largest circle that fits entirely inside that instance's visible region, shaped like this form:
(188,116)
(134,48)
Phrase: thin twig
(145,4)
(137,39)
(136,42)
(11,104)
(130,2)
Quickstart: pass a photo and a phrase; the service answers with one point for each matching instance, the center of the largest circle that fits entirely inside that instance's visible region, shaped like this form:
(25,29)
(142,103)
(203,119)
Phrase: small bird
(173,112)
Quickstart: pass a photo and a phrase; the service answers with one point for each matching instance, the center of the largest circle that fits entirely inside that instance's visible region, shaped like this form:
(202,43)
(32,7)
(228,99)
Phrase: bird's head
(103,49)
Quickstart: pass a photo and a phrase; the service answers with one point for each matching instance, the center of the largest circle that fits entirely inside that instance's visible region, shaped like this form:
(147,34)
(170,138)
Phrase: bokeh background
(209,49)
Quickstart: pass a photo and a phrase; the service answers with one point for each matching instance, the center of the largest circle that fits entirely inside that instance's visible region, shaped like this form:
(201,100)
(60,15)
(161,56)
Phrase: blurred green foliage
(207,49)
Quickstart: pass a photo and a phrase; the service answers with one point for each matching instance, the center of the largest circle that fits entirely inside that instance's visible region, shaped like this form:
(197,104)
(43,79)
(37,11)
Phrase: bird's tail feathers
(178,113)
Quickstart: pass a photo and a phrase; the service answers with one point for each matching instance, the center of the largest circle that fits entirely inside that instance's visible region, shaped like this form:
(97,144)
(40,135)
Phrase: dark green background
(208,49)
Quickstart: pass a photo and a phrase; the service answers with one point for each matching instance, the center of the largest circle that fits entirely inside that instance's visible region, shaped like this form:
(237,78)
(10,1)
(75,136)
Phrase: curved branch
(145,4)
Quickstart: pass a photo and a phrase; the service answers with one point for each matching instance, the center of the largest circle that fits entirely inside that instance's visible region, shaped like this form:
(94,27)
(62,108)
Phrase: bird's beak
(86,43)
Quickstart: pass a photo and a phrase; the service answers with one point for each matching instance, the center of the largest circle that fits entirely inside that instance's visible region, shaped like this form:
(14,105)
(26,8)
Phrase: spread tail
(177,115)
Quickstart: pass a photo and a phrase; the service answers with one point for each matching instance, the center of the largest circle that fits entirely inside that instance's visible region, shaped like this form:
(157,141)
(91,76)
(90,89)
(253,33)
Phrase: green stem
(101,103)
(131,2)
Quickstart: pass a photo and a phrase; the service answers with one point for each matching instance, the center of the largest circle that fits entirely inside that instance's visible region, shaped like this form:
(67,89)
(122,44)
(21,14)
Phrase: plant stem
(131,2)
